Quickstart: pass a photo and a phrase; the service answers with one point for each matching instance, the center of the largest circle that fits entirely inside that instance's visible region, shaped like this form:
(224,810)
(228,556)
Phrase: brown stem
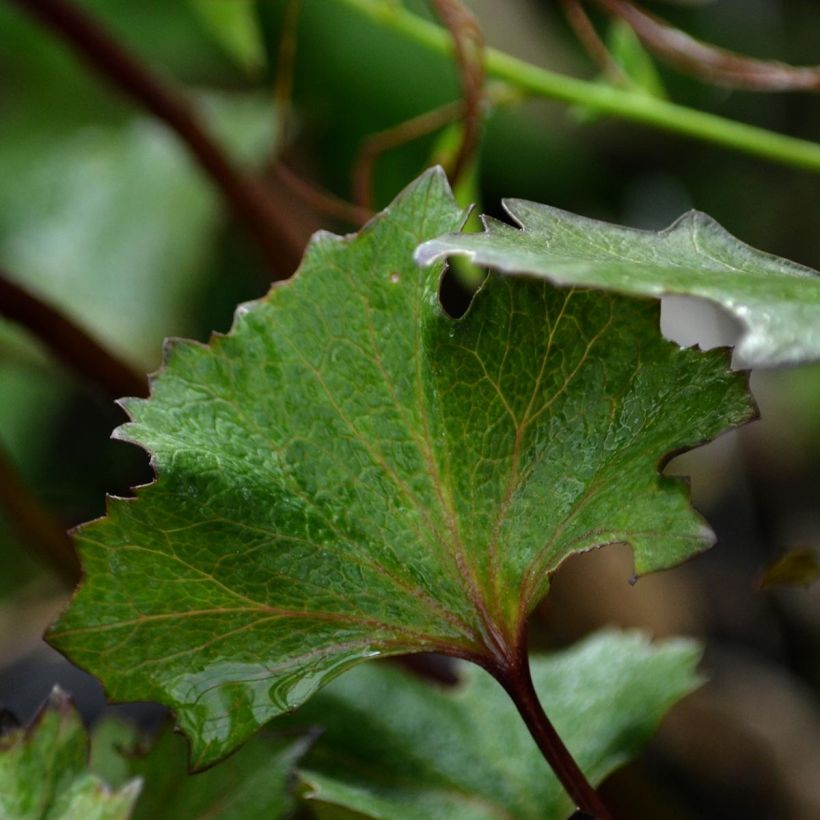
(517,681)
(319,199)
(69,342)
(34,525)
(592,43)
(246,195)
(708,62)
(468,42)
(382,141)
(283,88)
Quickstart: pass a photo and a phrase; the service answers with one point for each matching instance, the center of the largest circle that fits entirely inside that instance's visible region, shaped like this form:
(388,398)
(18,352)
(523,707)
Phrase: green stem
(603,99)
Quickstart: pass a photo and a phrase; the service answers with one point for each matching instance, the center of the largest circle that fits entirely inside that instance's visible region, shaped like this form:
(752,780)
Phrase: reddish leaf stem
(468,46)
(283,88)
(377,144)
(69,342)
(517,681)
(592,43)
(708,62)
(319,199)
(246,195)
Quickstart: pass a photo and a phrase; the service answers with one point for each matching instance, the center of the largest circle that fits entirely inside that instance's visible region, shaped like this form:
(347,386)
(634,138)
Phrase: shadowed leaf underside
(351,473)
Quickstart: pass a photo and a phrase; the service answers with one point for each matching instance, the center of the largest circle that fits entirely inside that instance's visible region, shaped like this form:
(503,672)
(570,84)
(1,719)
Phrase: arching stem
(517,681)
(618,102)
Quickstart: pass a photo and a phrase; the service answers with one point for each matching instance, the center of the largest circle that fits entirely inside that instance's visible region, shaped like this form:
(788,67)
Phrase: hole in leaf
(456,291)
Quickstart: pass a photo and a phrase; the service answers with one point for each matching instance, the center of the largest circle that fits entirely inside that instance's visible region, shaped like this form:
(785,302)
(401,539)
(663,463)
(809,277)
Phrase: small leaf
(44,771)
(393,746)
(798,567)
(253,784)
(777,301)
(628,51)
(352,473)
(233,24)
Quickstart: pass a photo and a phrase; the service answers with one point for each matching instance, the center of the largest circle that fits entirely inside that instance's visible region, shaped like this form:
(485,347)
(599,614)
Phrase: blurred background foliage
(104,214)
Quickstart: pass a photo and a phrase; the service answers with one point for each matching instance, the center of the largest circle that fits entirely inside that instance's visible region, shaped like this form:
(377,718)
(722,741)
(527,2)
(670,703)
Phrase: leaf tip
(59,700)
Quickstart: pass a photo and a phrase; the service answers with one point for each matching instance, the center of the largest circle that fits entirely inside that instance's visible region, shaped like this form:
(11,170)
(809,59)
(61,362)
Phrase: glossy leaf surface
(351,472)
(776,301)
(44,771)
(393,746)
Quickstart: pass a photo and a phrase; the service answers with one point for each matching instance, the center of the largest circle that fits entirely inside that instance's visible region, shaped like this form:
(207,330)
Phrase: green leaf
(393,746)
(254,784)
(777,301)
(44,771)
(233,25)
(797,567)
(637,63)
(352,473)
(68,230)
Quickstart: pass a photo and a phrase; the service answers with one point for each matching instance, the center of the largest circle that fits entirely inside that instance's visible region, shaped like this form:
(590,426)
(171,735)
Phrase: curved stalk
(517,681)
(603,99)
(468,46)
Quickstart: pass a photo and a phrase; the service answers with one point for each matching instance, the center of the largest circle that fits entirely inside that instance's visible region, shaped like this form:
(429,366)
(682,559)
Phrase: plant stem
(709,63)
(377,144)
(594,46)
(247,196)
(69,342)
(604,99)
(468,48)
(319,199)
(517,681)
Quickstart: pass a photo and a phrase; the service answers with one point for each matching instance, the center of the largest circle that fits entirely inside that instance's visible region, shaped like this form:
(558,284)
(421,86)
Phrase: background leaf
(233,24)
(393,746)
(637,63)
(777,301)
(44,771)
(352,473)
(116,222)
(254,784)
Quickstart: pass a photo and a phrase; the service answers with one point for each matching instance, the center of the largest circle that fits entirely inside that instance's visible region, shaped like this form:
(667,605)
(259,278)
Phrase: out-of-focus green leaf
(115,224)
(234,25)
(395,747)
(777,301)
(44,771)
(256,783)
(351,473)
(798,567)
(636,62)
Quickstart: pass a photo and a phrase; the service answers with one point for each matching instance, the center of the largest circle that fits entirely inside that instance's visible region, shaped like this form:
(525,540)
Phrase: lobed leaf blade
(352,473)
(776,301)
